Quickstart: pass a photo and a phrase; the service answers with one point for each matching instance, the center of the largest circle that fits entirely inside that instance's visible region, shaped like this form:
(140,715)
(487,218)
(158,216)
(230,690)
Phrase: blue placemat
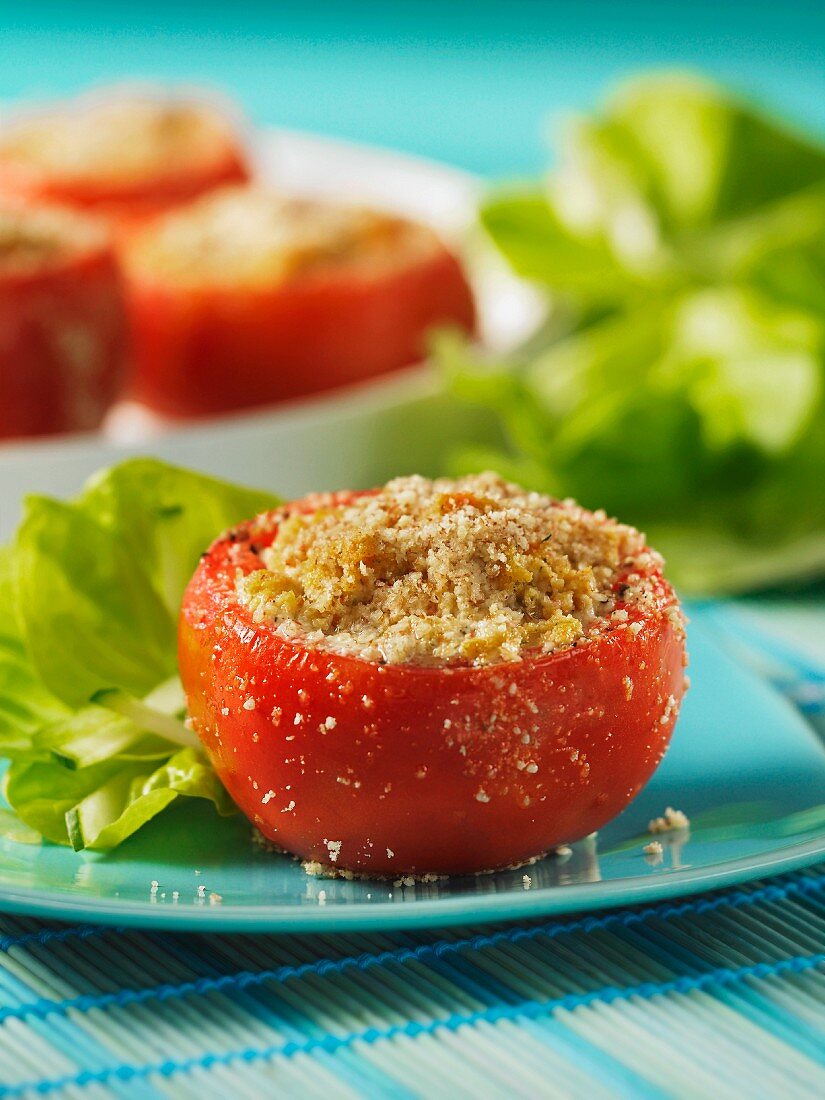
(717,996)
(720,995)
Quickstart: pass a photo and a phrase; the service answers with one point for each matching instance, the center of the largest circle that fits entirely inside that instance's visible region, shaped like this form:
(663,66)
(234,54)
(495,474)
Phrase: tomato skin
(208,350)
(62,344)
(416,769)
(124,203)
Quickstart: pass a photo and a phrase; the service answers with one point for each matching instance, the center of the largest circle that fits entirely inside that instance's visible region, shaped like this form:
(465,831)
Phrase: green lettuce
(91,709)
(680,380)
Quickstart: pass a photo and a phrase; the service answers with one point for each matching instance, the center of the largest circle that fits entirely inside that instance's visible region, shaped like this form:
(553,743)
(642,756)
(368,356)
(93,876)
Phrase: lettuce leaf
(166,516)
(91,710)
(89,617)
(99,806)
(26,705)
(681,242)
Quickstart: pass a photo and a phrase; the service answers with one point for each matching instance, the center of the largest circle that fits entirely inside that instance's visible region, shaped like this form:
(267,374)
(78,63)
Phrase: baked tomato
(245,299)
(62,322)
(127,157)
(387,769)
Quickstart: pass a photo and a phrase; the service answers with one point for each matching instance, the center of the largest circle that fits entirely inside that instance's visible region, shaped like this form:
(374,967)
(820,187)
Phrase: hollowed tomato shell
(124,202)
(63,344)
(393,769)
(205,350)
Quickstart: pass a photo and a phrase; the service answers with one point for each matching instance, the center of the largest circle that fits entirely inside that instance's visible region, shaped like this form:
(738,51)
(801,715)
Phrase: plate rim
(425,914)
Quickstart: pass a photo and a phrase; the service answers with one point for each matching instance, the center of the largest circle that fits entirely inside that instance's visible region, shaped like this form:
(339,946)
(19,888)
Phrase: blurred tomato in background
(123,153)
(247,298)
(63,338)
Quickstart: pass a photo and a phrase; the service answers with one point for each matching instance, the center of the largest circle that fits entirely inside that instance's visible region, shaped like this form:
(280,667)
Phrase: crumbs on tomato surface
(122,138)
(473,570)
(33,237)
(256,237)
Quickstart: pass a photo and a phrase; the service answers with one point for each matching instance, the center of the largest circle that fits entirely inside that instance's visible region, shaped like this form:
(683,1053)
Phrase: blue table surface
(471,84)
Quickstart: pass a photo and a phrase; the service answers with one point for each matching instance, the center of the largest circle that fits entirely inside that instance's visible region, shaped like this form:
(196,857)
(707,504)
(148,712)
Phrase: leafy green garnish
(91,710)
(681,380)
(104,625)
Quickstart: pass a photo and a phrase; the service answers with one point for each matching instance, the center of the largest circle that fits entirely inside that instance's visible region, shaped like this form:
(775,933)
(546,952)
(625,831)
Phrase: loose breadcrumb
(654,848)
(474,571)
(315,869)
(334,849)
(670,820)
(326,870)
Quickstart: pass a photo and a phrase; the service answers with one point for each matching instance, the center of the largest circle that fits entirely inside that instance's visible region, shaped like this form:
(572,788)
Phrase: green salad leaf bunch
(680,379)
(91,708)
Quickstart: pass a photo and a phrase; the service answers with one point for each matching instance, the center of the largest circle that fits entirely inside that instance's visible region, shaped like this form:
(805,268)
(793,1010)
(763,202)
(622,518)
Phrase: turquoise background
(470,83)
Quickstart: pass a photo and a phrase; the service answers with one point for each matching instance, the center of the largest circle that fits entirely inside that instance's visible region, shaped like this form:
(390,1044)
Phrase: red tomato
(392,769)
(184,149)
(127,201)
(62,323)
(201,350)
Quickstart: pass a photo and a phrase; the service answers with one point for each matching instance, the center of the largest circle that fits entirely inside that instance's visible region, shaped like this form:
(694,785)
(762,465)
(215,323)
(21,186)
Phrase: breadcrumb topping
(122,138)
(472,571)
(257,237)
(30,238)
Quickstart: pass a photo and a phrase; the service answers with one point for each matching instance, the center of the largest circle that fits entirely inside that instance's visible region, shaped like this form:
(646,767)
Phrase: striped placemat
(717,996)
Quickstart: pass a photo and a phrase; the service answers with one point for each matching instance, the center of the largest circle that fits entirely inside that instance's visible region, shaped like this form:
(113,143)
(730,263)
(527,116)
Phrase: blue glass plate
(744,766)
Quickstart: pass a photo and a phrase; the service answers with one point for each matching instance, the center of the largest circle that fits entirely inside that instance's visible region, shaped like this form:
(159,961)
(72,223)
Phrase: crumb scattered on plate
(670,819)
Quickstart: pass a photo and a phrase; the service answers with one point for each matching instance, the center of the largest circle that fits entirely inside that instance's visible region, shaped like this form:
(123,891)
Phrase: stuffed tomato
(62,322)
(436,677)
(127,156)
(246,298)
